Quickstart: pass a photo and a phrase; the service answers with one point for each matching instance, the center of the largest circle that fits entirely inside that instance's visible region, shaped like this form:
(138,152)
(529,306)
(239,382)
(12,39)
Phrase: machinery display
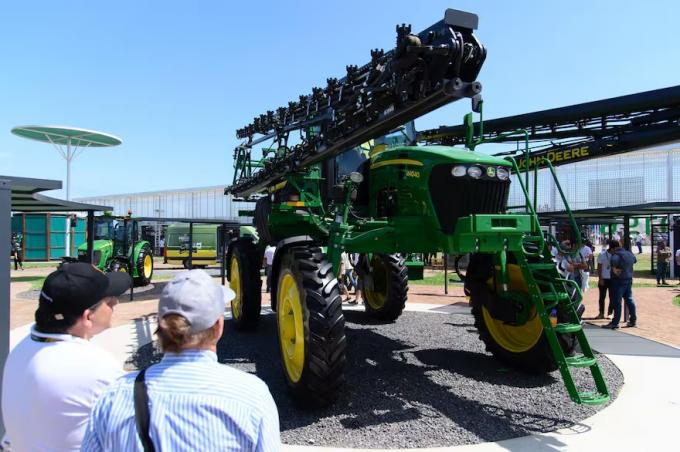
(205,244)
(342,171)
(118,247)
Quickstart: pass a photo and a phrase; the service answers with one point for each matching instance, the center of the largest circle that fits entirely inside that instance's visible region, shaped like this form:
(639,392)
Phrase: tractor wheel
(118,266)
(311,326)
(523,347)
(263,207)
(244,280)
(144,266)
(385,288)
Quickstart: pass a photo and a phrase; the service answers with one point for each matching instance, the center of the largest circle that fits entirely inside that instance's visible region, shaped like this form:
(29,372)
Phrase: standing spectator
(356,262)
(54,376)
(188,401)
(604,281)
(638,242)
(16,252)
(344,291)
(622,262)
(663,258)
(348,273)
(161,245)
(586,254)
(269,253)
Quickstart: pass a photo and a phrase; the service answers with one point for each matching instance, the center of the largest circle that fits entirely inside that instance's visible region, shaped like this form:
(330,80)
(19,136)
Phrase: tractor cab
(125,233)
(103,228)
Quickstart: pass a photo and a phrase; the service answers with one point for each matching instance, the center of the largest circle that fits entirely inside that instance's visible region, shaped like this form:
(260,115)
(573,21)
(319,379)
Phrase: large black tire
(245,281)
(524,347)
(311,326)
(263,207)
(385,301)
(144,266)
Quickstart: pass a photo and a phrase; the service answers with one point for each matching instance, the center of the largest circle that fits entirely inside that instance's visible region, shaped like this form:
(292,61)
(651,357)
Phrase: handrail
(536,226)
(572,219)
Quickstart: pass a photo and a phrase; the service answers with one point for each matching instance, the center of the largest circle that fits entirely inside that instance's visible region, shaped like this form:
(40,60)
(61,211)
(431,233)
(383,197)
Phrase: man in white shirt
(586,253)
(54,376)
(604,281)
(269,252)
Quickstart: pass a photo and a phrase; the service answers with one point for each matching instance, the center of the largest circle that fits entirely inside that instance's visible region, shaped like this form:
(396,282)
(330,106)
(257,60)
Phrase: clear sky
(175,79)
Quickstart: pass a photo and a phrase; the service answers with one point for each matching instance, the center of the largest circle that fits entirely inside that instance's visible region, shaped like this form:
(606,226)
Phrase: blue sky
(175,79)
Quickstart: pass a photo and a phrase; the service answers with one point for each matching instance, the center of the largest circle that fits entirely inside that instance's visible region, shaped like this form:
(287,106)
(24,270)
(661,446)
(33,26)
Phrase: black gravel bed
(423,381)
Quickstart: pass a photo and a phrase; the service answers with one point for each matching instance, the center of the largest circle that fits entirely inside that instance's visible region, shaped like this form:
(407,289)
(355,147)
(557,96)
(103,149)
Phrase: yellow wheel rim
(148,266)
(235,284)
(377,296)
(291,326)
(516,339)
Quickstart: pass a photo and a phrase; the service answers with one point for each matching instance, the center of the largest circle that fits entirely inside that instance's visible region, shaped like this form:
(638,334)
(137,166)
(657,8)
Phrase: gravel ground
(424,381)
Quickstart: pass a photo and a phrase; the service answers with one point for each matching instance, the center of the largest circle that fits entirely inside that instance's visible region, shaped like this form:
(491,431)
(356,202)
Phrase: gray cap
(195,296)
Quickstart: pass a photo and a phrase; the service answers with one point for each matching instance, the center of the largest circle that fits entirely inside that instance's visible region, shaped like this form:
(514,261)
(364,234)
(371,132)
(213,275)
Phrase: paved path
(643,417)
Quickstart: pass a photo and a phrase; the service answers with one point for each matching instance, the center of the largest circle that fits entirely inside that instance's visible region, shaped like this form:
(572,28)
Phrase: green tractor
(347,187)
(119,248)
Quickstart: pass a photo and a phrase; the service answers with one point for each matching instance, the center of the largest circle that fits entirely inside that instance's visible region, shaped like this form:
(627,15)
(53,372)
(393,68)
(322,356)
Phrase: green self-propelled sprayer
(341,173)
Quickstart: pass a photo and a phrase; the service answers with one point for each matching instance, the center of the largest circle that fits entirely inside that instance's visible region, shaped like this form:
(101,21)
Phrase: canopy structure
(69,141)
(609,215)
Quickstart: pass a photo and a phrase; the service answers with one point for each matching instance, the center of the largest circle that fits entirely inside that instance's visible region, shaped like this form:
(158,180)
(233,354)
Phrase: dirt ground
(658,317)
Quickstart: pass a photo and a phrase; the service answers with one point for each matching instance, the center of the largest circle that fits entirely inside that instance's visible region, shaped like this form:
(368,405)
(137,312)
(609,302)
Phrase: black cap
(78,286)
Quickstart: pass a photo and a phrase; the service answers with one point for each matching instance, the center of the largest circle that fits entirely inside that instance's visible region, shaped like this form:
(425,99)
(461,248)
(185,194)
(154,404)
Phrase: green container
(44,235)
(415,270)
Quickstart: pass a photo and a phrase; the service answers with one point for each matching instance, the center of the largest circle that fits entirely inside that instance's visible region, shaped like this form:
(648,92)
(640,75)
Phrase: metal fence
(637,177)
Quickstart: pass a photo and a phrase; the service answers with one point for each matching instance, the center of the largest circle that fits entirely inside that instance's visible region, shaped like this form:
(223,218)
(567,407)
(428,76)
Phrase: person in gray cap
(188,401)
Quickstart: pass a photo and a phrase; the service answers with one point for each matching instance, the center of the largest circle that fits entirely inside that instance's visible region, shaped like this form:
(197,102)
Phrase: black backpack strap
(142,415)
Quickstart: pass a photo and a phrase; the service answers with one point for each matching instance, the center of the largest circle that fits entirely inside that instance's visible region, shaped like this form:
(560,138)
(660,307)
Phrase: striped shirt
(195,404)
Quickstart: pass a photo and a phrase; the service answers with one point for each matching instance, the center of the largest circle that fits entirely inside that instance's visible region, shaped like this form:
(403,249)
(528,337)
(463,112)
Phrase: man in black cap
(54,376)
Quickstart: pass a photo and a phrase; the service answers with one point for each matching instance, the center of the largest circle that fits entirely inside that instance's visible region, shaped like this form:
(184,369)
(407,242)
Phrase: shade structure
(69,141)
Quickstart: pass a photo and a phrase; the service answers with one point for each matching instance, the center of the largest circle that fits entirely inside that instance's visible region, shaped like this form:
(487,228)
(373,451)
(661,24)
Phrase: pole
(90,236)
(626,232)
(68,169)
(446,274)
(5,234)
(223,243)
(191,245)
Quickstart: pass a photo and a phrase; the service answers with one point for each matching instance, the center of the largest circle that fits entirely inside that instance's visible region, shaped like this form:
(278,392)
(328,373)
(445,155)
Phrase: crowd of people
(614,276)
(62,392)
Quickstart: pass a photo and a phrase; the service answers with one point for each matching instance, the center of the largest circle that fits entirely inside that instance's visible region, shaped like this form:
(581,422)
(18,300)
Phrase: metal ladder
(549,290)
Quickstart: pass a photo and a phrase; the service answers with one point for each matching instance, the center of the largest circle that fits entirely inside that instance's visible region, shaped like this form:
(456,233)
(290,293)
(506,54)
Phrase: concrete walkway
(643,417)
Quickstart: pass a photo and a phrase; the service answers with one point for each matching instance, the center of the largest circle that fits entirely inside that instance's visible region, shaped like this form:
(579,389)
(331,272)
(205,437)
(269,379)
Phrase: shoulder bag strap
(142,415)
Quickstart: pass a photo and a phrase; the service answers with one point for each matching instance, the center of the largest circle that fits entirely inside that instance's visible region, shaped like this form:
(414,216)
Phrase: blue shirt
(624,260)
(195,403)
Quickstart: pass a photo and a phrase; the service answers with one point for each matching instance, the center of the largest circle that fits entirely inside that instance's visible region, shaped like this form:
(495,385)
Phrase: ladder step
(593,398)
(541,265)
(568,327)
(580,361)
(550,296)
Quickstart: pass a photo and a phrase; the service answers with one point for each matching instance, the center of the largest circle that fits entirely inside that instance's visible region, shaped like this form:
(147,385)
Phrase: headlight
(474,172)
(502,173)
(458,171)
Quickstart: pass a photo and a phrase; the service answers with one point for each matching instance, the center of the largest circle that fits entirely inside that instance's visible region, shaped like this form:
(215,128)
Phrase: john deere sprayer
(339,171)
(117,247)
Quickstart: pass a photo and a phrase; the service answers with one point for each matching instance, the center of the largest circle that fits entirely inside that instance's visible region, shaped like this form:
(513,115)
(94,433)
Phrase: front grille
(455,197)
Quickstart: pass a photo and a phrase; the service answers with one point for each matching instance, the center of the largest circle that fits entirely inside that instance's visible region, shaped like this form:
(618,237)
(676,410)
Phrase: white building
(193,203)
